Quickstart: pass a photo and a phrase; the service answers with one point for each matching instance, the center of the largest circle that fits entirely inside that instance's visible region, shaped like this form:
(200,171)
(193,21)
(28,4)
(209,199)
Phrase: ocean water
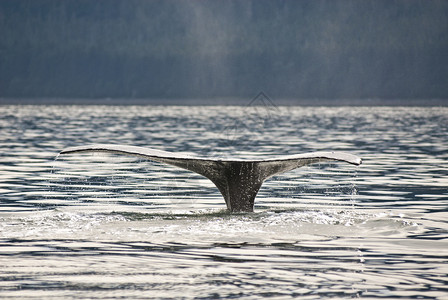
(105,226)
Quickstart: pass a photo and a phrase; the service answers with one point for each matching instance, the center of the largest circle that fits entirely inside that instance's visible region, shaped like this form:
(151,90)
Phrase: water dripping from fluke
(238,180)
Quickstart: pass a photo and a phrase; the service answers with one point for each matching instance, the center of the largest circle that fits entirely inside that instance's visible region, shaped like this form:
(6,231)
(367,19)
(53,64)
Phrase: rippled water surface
(104,226)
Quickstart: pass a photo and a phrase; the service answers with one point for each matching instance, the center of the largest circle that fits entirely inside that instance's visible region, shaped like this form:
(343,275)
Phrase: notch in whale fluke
(238,180)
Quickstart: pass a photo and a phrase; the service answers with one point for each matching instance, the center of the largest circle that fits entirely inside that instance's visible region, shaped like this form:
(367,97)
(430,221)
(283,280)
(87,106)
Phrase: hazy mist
(320,49)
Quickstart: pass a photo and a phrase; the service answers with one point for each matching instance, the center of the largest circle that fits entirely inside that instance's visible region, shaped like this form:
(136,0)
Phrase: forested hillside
(187,49)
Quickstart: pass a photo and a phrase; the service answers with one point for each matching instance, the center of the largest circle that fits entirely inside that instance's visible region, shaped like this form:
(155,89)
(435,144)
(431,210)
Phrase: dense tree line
(175,48)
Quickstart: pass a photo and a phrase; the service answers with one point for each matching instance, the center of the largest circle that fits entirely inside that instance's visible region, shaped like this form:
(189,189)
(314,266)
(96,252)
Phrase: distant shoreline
(224,101)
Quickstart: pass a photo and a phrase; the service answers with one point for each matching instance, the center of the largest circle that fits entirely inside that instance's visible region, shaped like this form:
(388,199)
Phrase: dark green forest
(327,49)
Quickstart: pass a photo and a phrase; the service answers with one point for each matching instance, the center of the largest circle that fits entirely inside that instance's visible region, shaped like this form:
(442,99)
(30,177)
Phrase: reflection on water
(109,226)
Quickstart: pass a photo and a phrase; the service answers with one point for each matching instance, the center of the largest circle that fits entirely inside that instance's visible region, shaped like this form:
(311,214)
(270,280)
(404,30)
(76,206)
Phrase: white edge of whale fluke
(238,180)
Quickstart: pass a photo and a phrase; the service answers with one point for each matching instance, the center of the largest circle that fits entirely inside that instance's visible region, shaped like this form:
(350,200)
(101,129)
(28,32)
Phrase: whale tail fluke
(237,180)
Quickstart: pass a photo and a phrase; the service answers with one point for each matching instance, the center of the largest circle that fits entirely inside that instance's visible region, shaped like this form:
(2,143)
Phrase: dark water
(104,226)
